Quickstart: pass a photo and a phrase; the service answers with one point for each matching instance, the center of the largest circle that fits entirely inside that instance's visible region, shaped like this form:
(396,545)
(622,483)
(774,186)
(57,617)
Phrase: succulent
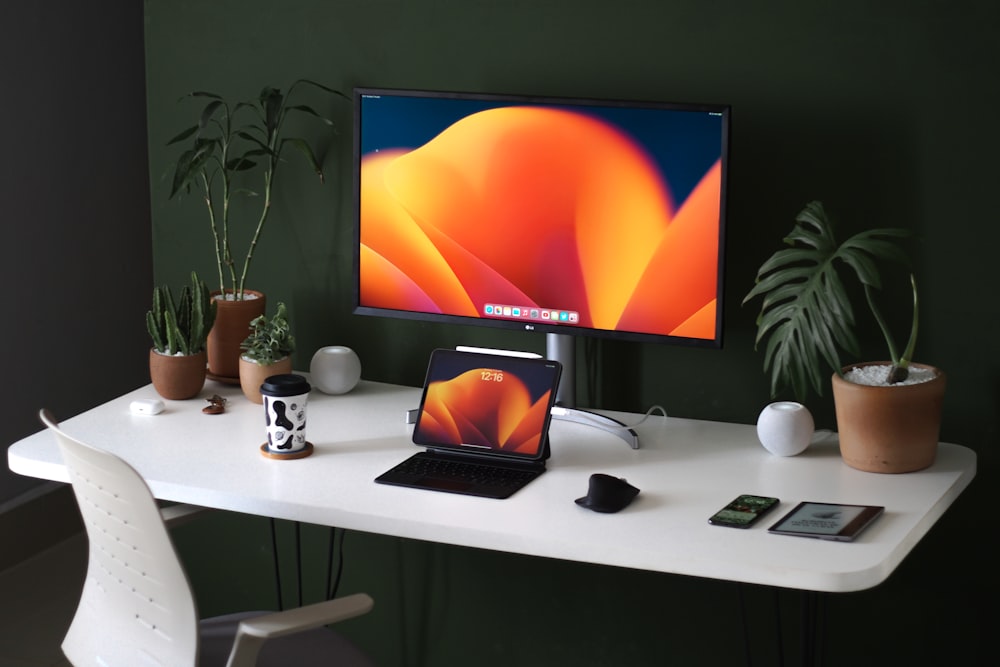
(270,339)
(806,315)
(181,326)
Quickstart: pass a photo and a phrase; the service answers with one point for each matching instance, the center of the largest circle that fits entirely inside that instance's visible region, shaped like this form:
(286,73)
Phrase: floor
(37,601)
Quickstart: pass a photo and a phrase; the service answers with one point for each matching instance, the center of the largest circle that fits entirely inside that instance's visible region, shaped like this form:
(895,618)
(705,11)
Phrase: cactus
(154,321)
(181,327)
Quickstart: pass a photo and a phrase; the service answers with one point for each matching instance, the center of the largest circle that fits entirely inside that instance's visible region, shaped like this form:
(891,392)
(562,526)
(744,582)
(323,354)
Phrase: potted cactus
(266,352)
(233,151)
(179,330)
(888,413)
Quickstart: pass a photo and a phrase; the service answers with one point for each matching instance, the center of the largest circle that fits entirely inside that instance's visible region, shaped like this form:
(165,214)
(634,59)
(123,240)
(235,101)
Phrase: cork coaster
(298,454)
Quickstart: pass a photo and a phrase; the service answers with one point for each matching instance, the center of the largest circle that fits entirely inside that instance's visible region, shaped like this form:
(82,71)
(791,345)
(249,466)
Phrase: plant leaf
(310,111)
(806,316)
(303,147)
(183,135)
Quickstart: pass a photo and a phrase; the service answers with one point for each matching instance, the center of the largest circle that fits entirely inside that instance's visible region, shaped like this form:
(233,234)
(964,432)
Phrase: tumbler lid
(288,384)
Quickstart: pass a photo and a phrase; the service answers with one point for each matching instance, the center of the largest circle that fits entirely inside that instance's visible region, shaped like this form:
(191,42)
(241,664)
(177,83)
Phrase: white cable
(655,408)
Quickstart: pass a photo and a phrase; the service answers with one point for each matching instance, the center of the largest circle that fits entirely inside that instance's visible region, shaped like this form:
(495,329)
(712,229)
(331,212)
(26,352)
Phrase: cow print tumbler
(285,398)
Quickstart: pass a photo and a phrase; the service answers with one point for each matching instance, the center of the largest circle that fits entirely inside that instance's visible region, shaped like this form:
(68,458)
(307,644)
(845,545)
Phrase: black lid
(285,385)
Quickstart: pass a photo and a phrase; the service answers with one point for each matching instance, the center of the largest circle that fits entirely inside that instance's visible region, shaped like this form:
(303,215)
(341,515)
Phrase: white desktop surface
(686,470)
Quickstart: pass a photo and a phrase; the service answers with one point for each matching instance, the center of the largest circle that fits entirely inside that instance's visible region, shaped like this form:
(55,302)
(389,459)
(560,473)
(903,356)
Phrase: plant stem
(227,253)
(215,229)
(912,343)
(900,364)
(882,325)
(273,158)
(260,226)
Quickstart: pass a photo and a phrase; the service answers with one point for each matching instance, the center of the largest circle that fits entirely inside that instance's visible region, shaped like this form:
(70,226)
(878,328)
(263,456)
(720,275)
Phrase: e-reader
(827,521)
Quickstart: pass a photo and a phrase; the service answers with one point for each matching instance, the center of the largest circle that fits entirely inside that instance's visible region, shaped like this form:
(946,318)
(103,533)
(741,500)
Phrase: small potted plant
(266,352)
(234,151)
(179,329)
(888,413)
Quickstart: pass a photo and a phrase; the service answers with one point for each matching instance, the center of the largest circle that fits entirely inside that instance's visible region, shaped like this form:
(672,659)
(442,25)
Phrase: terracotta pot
(889,429)
(232,326)
(177,378)
(252,376)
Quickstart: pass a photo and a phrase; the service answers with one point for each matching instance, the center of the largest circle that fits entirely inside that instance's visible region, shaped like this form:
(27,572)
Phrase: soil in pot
(889,428)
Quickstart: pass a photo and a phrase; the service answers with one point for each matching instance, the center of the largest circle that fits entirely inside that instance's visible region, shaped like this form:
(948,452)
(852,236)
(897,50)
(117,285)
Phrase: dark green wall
(885,111)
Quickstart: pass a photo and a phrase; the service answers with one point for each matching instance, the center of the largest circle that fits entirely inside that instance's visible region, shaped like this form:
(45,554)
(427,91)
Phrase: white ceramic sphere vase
(335,369)
(785,428)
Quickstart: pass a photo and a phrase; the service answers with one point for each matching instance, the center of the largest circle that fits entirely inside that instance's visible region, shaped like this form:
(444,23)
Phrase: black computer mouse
(607,494)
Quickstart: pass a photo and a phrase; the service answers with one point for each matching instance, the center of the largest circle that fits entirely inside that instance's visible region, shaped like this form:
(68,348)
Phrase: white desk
(686,470)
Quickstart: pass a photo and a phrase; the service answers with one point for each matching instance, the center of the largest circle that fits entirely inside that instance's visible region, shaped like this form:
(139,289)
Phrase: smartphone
(743,511)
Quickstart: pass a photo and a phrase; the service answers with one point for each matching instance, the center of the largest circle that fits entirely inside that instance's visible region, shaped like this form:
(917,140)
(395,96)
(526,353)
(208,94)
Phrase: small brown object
(897,374)
(298,454)
(216,405)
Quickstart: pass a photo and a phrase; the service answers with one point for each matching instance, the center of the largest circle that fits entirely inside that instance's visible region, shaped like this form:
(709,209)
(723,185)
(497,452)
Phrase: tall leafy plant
(806,317)
(233,150)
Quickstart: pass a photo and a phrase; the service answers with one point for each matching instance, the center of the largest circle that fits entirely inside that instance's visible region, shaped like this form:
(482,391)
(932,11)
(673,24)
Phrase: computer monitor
(563,216)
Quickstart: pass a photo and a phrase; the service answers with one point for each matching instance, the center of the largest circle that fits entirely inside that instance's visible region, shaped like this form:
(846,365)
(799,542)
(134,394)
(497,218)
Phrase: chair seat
(321,646)
(136,606)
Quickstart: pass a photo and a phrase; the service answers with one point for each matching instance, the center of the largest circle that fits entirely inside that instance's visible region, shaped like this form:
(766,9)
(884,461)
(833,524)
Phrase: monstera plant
(807,321)
(806,317)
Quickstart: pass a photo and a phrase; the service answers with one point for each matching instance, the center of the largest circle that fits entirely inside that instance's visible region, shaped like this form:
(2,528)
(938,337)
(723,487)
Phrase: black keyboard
(437,473)
(465,470)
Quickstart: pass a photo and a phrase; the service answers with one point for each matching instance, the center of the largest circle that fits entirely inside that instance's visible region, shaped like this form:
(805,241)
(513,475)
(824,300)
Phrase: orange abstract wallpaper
(542,208)
(497,412)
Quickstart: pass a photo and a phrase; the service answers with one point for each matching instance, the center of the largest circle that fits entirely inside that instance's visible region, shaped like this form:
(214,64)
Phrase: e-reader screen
(828,521)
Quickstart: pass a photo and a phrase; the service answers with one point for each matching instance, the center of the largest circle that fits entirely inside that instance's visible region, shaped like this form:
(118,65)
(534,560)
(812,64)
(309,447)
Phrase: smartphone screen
(743,511)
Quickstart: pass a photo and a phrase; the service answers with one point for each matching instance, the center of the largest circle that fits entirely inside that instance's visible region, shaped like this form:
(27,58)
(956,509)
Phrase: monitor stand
(562,348)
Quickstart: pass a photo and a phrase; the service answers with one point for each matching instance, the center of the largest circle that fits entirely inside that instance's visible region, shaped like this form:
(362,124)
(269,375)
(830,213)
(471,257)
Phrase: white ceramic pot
(785,428)
(335,369)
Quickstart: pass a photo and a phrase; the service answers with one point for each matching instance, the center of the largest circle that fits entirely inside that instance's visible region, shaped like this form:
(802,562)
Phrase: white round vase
(335,369)
(785,428)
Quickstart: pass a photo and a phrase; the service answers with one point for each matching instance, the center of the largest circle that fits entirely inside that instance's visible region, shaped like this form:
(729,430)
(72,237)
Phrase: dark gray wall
(76,245)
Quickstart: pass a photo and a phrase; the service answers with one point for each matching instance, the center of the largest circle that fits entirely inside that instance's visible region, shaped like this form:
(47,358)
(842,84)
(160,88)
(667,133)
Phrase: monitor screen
(541,214)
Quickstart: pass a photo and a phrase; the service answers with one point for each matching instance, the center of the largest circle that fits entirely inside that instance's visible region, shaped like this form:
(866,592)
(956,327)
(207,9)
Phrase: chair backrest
(136,607)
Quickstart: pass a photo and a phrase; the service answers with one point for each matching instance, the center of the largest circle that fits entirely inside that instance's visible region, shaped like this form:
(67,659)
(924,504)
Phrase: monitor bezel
(724,110)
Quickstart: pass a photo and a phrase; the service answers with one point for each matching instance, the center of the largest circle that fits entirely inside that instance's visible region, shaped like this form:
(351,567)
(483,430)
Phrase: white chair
(137,607)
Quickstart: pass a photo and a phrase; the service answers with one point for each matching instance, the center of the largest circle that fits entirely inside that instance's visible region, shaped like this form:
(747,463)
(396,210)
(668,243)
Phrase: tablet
(487,404)
(827,521)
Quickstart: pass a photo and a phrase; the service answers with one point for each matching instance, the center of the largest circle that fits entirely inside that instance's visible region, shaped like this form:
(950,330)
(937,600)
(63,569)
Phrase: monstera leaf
(806,316)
